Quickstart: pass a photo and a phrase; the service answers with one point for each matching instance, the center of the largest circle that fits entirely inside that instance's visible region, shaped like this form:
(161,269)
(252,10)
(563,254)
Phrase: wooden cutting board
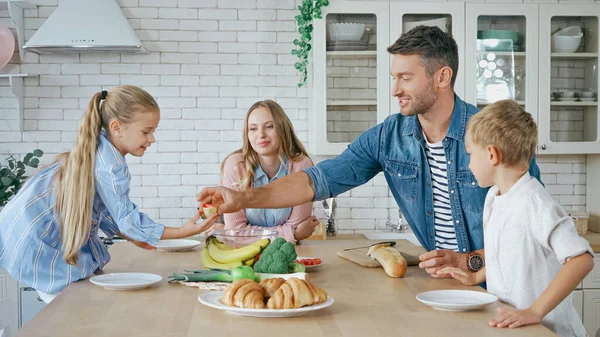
(406,248)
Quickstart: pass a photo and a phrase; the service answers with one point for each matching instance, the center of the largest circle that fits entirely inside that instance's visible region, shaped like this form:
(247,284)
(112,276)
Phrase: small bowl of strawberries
(310,262)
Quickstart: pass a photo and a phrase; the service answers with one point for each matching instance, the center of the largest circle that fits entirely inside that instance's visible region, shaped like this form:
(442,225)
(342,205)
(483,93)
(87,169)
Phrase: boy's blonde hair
(74,183)
(507,126)
(290,145)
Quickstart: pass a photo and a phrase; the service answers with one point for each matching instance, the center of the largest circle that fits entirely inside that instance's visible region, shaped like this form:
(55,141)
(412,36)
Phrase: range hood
(85,25)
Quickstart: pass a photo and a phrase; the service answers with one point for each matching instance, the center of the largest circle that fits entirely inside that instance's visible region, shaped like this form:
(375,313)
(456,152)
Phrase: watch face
(476,262)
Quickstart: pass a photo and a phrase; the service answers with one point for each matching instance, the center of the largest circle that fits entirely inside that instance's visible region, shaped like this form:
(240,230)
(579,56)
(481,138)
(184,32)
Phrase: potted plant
(12,176)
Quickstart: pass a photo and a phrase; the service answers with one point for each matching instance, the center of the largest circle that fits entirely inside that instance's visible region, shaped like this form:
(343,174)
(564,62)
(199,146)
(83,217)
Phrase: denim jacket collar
(456,130)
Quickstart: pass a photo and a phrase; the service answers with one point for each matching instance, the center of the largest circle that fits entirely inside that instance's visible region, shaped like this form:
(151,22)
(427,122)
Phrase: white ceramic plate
(213,299)
(587,99)
(176,245)
(125,281)
(568,99)
(456,300)
(313,266)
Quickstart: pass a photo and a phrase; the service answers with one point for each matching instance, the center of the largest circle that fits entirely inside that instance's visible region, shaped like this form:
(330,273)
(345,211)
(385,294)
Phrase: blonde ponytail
(74,184)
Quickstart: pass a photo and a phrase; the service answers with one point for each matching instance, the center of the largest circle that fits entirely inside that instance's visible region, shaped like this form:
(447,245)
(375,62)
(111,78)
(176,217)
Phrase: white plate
(456,300)
(176,245)
(125,281)
(568,99)
(213,299)
(587,99)
(313,266)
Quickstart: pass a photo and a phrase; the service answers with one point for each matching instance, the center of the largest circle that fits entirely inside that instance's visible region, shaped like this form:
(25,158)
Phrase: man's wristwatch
(475,262)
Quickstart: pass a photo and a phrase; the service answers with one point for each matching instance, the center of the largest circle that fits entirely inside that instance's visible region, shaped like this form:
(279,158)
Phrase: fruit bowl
(236,238)
(346,31)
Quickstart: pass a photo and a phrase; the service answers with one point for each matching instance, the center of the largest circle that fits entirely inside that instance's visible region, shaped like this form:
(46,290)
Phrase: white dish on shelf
(456,300)
(567,99)
(587,99)
(346,31)
(213,299)
(176,245)
(125,281)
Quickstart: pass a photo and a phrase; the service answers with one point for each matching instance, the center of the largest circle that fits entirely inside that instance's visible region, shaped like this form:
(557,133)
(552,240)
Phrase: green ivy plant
(308,12)
(13,176)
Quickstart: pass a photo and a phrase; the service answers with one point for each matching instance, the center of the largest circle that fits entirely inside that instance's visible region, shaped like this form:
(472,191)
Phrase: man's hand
(437,259)
(306,228)
(224,199)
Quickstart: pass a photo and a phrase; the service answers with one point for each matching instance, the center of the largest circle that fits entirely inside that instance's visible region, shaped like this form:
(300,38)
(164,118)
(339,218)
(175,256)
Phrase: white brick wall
(209,61)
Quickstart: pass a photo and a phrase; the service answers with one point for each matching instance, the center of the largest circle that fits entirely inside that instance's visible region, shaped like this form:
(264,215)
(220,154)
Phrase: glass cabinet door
(501,55)
(449,17)
(569,79)
(351,71)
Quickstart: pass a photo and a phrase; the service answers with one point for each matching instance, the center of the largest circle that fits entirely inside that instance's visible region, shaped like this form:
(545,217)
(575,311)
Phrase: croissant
(296,293)
(271,285)
(244,293)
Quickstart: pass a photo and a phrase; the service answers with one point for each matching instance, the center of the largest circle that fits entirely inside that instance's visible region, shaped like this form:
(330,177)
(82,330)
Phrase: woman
(271,150)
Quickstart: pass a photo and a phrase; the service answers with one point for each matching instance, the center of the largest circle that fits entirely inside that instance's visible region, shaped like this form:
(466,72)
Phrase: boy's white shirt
(527,238)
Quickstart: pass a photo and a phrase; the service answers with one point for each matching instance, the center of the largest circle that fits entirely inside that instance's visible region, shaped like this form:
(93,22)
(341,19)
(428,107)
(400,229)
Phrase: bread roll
(392,262)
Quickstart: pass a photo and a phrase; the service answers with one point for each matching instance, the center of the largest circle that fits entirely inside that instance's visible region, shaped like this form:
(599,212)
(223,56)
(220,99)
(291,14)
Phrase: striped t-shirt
(445,234)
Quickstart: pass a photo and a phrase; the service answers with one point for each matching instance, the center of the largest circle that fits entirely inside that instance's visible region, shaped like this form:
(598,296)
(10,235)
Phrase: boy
(533,255)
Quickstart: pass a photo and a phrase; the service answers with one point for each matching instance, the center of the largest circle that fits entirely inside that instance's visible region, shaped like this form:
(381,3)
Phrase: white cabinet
(592,280)
(450,17)
(568,124)
(501,58)
(578,302)
(591,311)
(350,78)
(9,305)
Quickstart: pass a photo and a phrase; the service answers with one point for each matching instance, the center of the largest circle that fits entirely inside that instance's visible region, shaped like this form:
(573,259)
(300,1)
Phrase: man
(421,151)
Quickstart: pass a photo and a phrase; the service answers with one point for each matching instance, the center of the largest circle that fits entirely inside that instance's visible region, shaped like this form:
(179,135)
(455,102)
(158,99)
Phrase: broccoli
(276,258)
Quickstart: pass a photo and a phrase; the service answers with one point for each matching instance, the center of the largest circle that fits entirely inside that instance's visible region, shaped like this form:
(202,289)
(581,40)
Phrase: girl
(49,230)
(271,150)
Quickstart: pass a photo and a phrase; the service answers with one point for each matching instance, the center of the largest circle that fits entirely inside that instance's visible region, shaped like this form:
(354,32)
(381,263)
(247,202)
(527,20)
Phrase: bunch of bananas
(217,255)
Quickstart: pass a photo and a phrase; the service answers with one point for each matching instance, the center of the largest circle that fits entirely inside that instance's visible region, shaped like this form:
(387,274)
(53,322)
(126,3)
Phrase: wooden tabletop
(594,240)
(367,303)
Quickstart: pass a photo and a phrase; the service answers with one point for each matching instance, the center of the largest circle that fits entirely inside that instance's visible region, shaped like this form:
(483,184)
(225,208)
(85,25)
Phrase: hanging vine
(308,12)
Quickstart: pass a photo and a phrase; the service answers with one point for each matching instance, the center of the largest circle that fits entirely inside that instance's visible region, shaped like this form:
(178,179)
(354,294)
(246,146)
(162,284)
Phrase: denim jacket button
(399,174)
(457,221)
(449,162)
(473,183)
(452,191)
(464,249)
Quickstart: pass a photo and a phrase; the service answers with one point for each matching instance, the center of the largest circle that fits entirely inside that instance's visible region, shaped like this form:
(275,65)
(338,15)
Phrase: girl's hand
(467,278)
(192,228)
(143,245)
(513,318)
(306,228)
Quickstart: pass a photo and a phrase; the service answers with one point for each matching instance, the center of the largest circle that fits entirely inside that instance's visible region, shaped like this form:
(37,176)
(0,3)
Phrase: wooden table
(367,303)
(594,240)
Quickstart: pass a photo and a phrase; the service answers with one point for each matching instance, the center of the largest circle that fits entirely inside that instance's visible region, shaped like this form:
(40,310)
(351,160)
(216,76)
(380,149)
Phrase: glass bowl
(237,238)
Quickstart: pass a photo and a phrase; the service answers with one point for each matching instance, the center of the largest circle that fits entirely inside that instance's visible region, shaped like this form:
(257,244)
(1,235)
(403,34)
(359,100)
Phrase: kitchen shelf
(15,11)
(506,53)
(352,54)
(574,55)
(352,102)
(488,103)
(15,81)
(553,103)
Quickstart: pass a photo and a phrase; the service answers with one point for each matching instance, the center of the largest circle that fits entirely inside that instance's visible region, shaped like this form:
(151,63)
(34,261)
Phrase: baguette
(392,262)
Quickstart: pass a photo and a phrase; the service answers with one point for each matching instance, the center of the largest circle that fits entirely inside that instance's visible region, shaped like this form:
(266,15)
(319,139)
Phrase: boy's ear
(494,155)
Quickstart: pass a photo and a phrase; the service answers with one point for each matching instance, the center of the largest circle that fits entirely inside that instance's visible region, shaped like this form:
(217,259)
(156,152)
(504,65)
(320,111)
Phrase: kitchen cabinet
(578,302)
(506,51)
(9,305)
(501,60)
(568,124)
(350,78)
(591,311)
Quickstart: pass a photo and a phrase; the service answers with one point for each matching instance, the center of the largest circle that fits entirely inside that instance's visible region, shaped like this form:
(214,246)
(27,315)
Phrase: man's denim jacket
(397,148)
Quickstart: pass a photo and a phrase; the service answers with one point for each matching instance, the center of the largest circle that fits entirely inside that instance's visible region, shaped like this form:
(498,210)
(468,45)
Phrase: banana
(262,243)
(233,255)
(249,262)
(209,263)
(219,244)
